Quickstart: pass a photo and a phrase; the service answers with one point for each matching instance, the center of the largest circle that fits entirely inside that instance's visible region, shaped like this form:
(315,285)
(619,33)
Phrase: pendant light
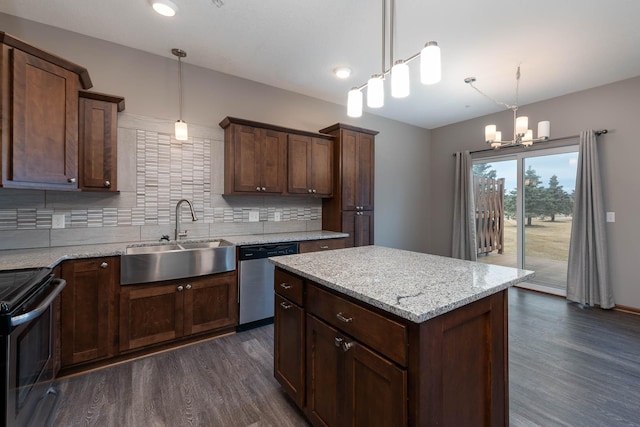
(182,133)
(430,70)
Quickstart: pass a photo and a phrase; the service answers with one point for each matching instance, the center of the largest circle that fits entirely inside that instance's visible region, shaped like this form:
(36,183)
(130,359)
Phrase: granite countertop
(50,257)
(414,286)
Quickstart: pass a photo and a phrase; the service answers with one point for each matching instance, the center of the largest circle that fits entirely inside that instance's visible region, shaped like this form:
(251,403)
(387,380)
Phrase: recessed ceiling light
(164,7)
(342,72)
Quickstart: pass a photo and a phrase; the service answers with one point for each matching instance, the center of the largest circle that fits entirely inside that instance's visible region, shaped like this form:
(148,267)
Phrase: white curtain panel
(463,243)
(587,272)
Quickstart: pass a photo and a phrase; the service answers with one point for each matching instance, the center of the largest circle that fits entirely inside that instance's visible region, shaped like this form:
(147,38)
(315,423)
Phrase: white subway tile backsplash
(154,172)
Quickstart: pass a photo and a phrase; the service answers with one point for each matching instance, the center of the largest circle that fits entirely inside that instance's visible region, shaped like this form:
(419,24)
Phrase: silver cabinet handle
(264,189)
(180,288)
(188,286)
(107,184)
(309,190)
(285,286)
(338,341)
(285,305)
(71,180)
(257,188)
(324,247)
(344,319)
(104,265)
(346,345)
(314,190)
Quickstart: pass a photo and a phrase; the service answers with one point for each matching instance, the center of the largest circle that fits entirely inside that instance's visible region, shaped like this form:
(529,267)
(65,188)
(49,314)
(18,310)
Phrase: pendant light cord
(180,83)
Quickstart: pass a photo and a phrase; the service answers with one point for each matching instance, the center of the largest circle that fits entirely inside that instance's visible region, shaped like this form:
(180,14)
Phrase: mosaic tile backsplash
(162,171)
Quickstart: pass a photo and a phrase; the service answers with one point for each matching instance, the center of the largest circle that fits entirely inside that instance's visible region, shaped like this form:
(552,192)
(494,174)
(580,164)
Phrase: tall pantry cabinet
(351,208)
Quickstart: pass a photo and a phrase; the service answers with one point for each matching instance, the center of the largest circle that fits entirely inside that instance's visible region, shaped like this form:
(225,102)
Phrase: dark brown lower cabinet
(366,367)
(350,385)
(164,311)
(288,358)
(359,225)
(88,313)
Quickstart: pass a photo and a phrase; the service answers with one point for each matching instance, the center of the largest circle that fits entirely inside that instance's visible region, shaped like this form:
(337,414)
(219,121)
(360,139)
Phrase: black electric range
(17,287)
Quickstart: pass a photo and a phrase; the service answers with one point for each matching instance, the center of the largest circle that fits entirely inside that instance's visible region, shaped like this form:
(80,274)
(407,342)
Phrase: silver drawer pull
(104,265)
(324,247)
(188,287)
(107,184)
(344,319)
(285,286)
(338,341)
(346,345)
(285,305)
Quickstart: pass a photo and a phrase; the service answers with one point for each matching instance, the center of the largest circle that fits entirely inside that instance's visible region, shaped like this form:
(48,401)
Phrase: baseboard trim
(626,309)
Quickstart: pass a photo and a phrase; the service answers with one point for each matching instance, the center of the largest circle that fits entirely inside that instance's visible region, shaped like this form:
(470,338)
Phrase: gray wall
(615,107)
(149,84)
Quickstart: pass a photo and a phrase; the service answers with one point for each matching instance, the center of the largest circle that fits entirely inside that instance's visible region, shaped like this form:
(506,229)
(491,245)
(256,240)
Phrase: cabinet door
(98,145)
(299,172)
(150,314)
(288,358)
(44,150)
(321,160)
(324,368)
(272,161)
(359,225)
(357,170)
(88,318)
(246,157)
(365,171)
(210,303)
(375,389)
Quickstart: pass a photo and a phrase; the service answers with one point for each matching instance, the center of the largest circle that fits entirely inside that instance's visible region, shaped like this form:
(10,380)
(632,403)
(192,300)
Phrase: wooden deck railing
(489,203)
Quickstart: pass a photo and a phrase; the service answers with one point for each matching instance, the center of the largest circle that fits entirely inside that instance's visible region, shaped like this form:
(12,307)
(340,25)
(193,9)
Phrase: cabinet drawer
(288,286)
(321,245)
(384,335)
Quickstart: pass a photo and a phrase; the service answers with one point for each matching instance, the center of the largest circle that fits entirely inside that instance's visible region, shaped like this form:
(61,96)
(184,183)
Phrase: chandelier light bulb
(354,103)
(490,133)
(375,91)
(430,64)
(400,80)
(543,129)
(522,124)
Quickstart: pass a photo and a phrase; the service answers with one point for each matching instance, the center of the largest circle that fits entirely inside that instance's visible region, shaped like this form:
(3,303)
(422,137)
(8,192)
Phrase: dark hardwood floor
(569,366)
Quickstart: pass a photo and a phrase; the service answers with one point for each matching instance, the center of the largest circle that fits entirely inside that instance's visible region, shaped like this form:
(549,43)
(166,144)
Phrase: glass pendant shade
(354,103)
(430,64)
(375,91)
(182,133)
(400,80)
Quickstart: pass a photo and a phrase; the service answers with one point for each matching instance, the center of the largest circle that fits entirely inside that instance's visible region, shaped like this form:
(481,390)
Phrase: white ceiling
(563,46)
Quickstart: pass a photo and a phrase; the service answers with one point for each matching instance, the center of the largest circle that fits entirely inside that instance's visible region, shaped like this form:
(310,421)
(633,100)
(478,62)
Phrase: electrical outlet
(611,217)
(57,221)
(276,216)
(254,216)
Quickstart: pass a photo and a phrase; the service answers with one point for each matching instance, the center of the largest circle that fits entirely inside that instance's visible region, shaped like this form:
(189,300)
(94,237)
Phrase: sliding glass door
(537,208)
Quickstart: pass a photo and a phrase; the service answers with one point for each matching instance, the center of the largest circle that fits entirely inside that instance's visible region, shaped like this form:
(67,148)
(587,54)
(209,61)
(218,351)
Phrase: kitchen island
(380,336)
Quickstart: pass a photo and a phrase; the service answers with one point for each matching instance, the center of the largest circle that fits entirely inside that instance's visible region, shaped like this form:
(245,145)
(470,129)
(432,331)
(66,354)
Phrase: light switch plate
(57,221)
(276,216)
(254,216)
(611,217)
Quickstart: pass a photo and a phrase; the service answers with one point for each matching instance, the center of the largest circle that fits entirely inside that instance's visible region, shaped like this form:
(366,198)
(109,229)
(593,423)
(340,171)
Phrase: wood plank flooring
(569,366)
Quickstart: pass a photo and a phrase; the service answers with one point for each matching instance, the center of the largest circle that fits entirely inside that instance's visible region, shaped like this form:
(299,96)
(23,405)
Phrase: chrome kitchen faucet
(178,218)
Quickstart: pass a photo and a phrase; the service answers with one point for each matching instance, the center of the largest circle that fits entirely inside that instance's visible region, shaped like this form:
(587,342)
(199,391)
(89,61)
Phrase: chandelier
(430,71)
(522,135)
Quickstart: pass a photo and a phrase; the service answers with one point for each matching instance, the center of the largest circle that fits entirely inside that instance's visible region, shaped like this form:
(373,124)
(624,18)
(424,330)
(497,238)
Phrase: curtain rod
(597,132)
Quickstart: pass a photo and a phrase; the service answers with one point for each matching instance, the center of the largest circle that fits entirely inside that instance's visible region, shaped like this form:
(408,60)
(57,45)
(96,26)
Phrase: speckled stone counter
(50,257)
(414,286)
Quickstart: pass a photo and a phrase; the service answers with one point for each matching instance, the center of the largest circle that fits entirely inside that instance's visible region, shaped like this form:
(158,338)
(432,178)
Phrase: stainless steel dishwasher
(256,282)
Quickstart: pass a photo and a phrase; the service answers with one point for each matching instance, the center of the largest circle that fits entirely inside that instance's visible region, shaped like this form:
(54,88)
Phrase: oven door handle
(36,312)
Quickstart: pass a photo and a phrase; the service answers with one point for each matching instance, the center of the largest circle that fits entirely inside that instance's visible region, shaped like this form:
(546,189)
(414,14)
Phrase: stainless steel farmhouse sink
(143,264)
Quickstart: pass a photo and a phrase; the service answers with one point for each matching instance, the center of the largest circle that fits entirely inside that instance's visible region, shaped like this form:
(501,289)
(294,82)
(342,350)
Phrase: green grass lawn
(543,238)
